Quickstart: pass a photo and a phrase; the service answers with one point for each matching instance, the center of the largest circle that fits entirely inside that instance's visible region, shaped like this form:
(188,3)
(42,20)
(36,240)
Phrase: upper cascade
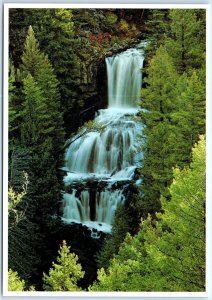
(125,78)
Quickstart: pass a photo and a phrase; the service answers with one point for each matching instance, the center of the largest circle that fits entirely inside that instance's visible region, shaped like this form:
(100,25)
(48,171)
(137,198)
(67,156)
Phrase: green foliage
(182,32)
(161,150)
(37,152)
(179,247)
(123,26)
(40,86)
(194,98)
(35,119)
(54,30)
(190,116)
(14,282)
(31,57)
(157,25)
(187,42)
(121,226)
(166,255)
(63,20)
(14,200)
(22,256)
(13,114)
(174,101)
(111,18)
(157,96)
(66,272)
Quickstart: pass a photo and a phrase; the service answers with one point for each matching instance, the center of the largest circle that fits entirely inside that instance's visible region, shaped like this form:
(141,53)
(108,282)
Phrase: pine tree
(161,139)
(31,57)
(13,114)
(42,137)
(189,118)
(175,244)
(54,30)
(167,254)
(22,255)
(37,65)
(14,282)
(157,26)
(187,42)
(195,97)
(65,273)
(121,226)
(35,116)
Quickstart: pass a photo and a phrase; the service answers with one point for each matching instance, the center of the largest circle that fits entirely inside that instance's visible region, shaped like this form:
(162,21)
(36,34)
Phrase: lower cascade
(101,164)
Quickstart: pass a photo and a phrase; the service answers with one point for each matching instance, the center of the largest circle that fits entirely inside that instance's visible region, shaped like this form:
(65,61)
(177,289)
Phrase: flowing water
(101,164)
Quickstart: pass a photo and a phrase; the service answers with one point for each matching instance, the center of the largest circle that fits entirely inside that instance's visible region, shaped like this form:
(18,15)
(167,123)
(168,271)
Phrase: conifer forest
(107,150)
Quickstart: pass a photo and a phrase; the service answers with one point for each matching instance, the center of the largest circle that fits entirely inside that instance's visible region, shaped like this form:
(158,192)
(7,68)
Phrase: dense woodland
(57,80)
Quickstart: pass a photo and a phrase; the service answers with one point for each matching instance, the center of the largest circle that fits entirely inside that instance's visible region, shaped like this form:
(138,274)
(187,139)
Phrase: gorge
(101,164)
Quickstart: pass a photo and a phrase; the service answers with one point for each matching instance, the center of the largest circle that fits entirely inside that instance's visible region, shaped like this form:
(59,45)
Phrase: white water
(110,155)
(124,79)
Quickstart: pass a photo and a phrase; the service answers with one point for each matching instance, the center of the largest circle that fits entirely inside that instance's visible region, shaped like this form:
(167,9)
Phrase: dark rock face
(91,90)
(125,45)
(96,184)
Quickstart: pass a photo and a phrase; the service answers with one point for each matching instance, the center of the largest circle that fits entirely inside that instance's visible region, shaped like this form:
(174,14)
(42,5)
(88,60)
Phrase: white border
(5,149)
(208,150)
(110,294)
(103,5)
(5,152)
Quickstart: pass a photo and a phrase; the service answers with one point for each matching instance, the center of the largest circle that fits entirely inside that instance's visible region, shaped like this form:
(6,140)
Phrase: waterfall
(124,79)
(101,164)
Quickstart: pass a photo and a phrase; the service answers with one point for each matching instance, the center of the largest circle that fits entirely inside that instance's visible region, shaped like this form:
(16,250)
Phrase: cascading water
(124,79)
(100,165)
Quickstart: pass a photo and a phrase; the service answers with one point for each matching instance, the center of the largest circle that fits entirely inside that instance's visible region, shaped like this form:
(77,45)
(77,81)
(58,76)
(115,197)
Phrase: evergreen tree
(31,58)
(42,129)
(160,142)
(37,65)
(13,114)
(189,118)
(174,116)
(36,120)
(54,30)
(14,282)
(166,255)
(14,200)
(22,256)
(195,96)
(121,226)
(187,41)
(157,26)
(42,137)
(171,242)
(65,273)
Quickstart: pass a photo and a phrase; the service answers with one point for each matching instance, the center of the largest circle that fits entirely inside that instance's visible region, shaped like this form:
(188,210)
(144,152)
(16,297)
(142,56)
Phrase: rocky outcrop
(91,92)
